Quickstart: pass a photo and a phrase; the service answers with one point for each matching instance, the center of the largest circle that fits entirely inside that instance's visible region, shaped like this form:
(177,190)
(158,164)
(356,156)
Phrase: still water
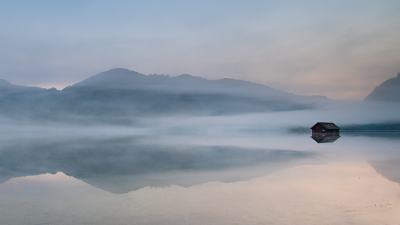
(249,177)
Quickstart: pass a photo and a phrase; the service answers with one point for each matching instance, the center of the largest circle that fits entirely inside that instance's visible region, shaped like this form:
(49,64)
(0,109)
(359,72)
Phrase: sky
(337,48)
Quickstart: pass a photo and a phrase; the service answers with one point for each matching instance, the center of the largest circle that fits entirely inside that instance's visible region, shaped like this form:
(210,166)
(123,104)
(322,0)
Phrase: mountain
(128,92)
(19,102)
(387,91)
(7,88)
(117,78)
(388,168)
(124,79)
(118,95)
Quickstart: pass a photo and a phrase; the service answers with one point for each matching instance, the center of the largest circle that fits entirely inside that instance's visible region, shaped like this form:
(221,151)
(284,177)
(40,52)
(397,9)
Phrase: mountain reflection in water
(388,168)
(120,165)
(261,178)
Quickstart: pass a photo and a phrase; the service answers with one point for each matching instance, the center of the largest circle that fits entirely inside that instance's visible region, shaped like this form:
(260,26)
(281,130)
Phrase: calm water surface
(241,178)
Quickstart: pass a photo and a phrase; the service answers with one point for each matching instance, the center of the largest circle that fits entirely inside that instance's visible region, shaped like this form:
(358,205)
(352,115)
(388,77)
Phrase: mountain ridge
(120,95)
(8,88)
(388,91)
(120,78)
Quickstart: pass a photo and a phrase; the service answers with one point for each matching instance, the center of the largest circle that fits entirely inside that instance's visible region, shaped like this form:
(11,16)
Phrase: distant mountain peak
(4,83)
(189,77)
(119,70)
(389,90)
(113,78)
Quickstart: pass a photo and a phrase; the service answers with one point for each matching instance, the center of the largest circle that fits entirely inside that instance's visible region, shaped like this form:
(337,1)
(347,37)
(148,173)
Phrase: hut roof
(326,125)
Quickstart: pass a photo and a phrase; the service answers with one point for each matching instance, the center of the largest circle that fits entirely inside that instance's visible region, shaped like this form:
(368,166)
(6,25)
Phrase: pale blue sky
(339,48)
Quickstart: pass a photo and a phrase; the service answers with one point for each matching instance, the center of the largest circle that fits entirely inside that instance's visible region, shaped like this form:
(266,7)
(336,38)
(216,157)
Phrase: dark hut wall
(324,128)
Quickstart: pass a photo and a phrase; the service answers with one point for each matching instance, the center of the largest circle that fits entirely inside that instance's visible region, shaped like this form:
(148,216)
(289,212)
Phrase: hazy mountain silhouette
(6,88)
(120,78)
(119,93)
(388,168)
(387,91)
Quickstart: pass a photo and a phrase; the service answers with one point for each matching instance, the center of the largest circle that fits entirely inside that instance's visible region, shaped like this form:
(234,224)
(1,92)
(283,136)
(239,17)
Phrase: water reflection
(120,165)
(325,137)
(340,193)
(388,168)
(347,182)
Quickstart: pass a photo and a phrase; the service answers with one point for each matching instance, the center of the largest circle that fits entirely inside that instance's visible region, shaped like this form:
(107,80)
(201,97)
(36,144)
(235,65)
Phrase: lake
(180,175)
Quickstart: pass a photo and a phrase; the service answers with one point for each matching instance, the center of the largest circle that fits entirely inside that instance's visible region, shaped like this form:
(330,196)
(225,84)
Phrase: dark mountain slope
(387,91)
(127,79)
(6,88)
(121,94)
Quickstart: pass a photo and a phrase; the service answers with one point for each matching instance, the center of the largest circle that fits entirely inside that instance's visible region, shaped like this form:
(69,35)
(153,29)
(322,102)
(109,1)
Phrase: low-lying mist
(341,113)
(187,149)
